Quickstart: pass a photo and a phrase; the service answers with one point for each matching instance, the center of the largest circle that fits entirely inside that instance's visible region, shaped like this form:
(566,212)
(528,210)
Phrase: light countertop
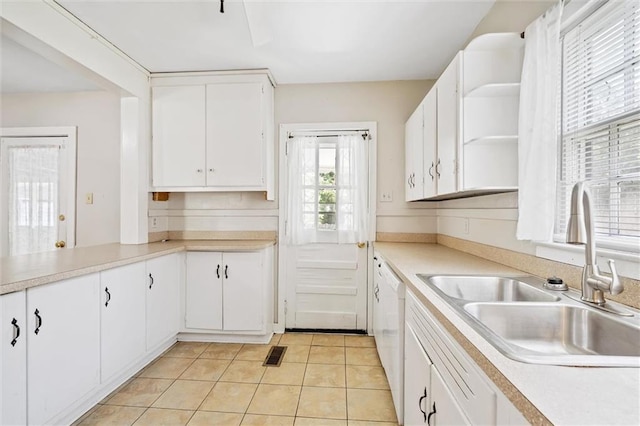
(22,272)
(543,393)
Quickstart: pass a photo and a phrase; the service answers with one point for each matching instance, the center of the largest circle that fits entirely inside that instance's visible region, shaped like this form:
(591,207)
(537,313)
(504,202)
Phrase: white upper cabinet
(413,155)
(213,132)
(470,119)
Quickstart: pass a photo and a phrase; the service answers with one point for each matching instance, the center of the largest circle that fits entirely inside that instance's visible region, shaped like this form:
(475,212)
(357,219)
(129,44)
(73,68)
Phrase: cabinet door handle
(199,170)
(433,411)
(106,290)
(431,168)
(226,275)
(218,271)
(438,168)
(16,331)
(409,181)
(422,398)
(38,321)
(150,281)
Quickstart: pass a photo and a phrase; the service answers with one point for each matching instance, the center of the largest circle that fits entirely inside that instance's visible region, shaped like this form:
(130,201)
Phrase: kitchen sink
(486,288)
(558,333)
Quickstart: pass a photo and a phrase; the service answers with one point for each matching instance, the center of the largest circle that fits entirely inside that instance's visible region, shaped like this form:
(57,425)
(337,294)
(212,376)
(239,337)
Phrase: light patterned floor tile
(296,353)
(184,395)
(370,423)
(326,403)
(253,353)
(243,372)
(222,350)
(360,341)
(369,404)
(328,340)
(275,339)
(327,375)
(113,415)
(206,369)
(299,339)
(166,368)
(140,392)
(279,400)
(209,418)
(163,417)
(366,377)
(262,420)
(229,397)
(186,350)
(308,421)
(288,373)
(363,356)
(326,355)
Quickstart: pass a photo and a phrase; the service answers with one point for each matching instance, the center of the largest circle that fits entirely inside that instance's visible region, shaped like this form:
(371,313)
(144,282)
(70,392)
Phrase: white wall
(97,116)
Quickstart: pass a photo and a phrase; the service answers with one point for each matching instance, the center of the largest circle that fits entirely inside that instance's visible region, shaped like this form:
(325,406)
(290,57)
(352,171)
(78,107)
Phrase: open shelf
(494,41)
(494,90)
(486,140)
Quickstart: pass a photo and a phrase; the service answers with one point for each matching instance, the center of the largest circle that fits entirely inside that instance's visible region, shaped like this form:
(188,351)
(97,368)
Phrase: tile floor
(324,380)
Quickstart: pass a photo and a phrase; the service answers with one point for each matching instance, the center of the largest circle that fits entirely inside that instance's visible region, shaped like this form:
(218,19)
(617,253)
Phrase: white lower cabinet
(13,359)
(163,299)
(63,360)
(226,291)
(122,326)
(453,391)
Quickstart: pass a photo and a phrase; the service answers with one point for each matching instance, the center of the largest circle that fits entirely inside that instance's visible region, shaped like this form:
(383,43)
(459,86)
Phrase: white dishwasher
(391,295)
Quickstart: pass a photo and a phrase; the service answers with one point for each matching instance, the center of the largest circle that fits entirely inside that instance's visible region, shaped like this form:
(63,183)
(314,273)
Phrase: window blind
(600,121)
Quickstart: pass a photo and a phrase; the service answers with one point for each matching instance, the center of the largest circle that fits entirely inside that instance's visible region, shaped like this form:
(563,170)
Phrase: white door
(243,300)
(122,321)
(235,138)
(163,295)
(417,381)
(204,290)
(13,359)
(37,190)
(327,225)
(64,348)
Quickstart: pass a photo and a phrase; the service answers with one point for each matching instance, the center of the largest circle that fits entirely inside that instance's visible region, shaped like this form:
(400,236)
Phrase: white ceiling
(300,41)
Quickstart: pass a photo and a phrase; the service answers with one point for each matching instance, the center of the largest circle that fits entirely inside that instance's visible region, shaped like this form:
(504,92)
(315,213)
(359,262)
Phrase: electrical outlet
(88,199)
(154,223)
(386,197)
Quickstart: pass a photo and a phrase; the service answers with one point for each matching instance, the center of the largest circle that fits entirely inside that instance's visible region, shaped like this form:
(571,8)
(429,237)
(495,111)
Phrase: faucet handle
(616,285)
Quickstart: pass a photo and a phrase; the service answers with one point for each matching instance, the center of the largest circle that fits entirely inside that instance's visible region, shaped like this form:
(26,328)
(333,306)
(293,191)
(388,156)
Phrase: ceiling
(299,41)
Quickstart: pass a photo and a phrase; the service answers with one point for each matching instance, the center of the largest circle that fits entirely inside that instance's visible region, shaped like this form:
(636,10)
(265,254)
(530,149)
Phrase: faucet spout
(580,230)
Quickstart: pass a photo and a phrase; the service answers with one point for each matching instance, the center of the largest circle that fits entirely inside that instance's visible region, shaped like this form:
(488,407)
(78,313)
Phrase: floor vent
(274,358)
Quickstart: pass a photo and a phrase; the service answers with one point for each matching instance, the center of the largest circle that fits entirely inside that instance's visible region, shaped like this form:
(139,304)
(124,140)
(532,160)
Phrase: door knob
(361,245)
(60,244)
(61,218)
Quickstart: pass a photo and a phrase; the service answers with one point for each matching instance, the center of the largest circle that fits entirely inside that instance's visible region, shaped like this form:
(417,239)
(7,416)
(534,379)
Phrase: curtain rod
(565,2)
(330,134)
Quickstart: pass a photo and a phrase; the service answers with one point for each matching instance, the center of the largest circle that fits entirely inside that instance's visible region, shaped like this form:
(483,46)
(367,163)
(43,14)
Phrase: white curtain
(32,198)
(352,180)
(538,127)
(303,217)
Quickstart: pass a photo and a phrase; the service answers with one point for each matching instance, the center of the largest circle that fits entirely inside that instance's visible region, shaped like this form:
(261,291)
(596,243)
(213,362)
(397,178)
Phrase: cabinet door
(163,296)
(235,140)
(430,138)
(13,359)
(243,300)
(413,155)
(63,359)
(204,290)
(378,313)
(179,136)
(444,406)
(448,126)
(122,325)
(417,381)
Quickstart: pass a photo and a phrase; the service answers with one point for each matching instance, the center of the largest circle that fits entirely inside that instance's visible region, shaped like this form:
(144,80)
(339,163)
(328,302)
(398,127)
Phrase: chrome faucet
(580,231)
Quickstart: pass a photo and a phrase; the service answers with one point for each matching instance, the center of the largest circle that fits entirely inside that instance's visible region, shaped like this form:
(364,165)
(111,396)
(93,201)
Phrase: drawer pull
(16,331)
(38,321)
(106,290)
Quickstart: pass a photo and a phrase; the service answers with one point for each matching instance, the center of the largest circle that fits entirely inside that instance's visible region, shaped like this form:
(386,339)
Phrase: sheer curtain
(538,127)
(302,171)
(32,198)
(352,195)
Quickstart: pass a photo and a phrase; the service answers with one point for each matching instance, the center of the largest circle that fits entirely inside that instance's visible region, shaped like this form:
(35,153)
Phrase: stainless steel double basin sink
(528,323)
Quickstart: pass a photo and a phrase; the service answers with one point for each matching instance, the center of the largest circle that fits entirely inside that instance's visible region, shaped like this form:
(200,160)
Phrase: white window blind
(600,121)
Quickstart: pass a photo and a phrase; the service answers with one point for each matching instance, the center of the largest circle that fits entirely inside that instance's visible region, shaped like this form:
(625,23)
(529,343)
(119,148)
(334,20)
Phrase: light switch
(88,199)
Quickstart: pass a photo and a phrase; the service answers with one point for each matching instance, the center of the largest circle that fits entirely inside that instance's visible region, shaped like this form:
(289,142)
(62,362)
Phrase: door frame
(69,132)
(372,128)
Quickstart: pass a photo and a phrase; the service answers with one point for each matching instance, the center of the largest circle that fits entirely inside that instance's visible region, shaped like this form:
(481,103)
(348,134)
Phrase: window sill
(627,264)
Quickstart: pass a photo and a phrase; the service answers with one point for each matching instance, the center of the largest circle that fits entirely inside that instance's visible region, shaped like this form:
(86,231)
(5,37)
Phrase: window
(600,121)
